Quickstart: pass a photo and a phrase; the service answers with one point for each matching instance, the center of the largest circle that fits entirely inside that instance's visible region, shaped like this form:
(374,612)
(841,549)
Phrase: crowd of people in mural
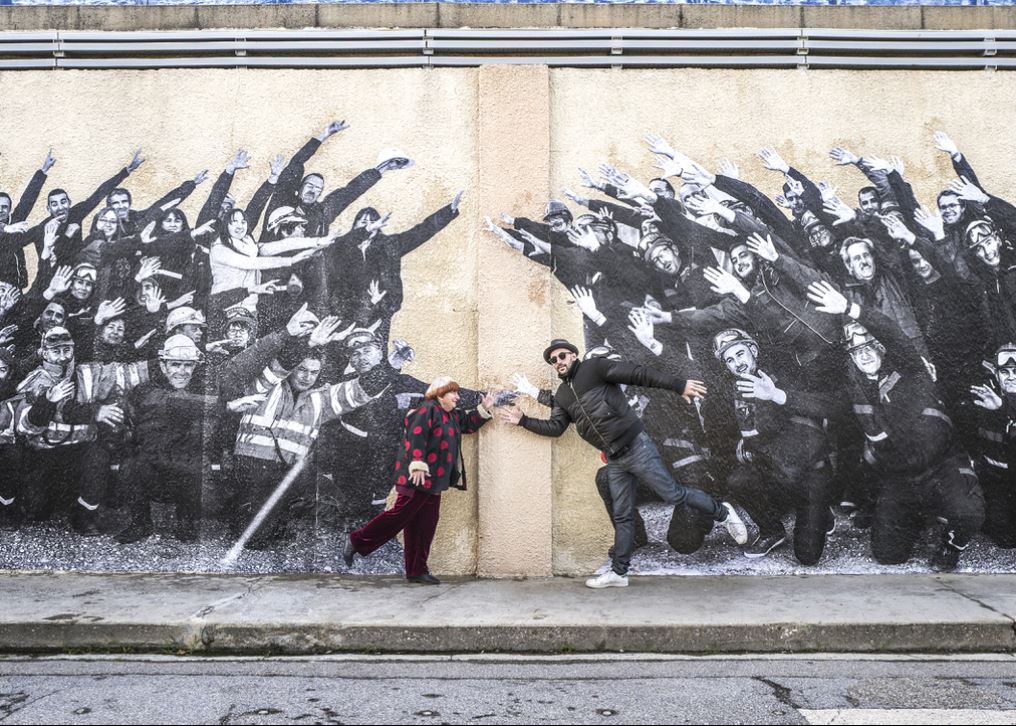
(783,364)
(153,358)
(861,356)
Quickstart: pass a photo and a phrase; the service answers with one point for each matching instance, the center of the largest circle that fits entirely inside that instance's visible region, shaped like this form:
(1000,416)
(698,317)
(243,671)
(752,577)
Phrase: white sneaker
(607,579)
(735,527)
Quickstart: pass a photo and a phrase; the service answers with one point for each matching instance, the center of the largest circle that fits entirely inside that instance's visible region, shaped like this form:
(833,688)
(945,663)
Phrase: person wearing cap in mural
(187,321)
(782,453)
(64,403)
(428,464)
(590,396)
(910,440)
(164,426)
(996,447)
(993,265)
(284,410)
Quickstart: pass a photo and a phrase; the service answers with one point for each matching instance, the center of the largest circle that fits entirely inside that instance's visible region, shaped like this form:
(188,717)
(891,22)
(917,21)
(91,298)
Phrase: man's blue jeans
(642,462)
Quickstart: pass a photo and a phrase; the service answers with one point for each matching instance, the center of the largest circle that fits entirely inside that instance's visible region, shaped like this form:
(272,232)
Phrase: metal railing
(612,47)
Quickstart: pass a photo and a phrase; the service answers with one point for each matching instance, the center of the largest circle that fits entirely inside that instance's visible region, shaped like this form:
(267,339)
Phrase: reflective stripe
(679,443)
(805,422)
(315,399)
(347,402)
(864,408)
(968,472)
(87,382)
(938,414)
(749,434)
(877,437)
(265,422)
(353,430)
(284,444)
(134,372)
(687,460)
(869,456)
(273,403)
(993,462)
(991,435)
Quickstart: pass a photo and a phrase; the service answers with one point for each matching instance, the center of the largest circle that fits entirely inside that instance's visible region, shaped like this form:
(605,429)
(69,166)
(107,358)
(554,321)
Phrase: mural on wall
(190,366)
(860,358)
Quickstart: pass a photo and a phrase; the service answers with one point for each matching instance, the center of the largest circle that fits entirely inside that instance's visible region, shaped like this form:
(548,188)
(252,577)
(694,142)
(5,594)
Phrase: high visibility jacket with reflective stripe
(93,383)
(287,422)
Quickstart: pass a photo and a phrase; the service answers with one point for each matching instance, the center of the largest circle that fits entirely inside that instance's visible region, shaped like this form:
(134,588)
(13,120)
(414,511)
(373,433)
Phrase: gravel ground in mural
(48,546)
(847,552)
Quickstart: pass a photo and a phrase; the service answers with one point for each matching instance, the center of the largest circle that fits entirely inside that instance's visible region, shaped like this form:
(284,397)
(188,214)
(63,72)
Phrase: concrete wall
(511,137)
(440,15)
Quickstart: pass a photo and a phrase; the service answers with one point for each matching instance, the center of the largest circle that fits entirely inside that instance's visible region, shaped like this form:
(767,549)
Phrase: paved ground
(509,690)
(326,613)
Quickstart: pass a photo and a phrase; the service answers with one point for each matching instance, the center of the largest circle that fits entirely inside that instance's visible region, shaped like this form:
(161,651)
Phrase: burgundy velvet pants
(417,513)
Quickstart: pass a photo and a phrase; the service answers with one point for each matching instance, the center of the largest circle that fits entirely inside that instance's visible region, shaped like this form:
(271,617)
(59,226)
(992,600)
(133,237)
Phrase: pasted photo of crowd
(160,375)
(859,348)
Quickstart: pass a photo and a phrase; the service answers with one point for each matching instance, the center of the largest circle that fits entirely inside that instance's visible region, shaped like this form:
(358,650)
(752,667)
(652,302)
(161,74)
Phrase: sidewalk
(314,614)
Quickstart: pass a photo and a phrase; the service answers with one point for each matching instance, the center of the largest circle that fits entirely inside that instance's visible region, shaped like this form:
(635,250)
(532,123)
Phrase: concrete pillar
(514,319)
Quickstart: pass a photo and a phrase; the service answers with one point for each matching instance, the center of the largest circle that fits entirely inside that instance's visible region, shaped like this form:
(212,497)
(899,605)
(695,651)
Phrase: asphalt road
(482,689)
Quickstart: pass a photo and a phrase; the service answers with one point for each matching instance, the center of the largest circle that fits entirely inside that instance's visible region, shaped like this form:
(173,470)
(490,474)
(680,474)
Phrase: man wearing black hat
(590,396)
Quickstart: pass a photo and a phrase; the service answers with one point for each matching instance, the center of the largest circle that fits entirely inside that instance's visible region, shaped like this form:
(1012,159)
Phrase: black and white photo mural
(210,345)
(162,376)
(859,350)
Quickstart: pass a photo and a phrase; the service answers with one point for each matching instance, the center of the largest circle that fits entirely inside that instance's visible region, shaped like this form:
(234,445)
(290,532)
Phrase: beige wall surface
(510,137)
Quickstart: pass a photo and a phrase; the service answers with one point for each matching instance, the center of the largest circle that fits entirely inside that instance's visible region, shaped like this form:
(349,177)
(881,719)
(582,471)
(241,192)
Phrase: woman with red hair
(428,464)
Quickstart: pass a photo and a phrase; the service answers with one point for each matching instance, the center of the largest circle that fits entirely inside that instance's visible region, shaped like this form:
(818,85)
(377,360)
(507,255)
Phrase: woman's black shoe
(425,579)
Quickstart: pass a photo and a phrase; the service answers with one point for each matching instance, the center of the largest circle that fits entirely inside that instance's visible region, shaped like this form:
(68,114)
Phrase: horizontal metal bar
(504,46)
(14,48)
(244,61)
(901,62)
(26,64)
(131,36)
(249,46)
(919,46)
(606,61)
(603,47)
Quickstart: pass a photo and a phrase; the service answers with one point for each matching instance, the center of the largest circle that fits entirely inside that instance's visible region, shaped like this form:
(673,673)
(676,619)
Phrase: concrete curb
(215,614)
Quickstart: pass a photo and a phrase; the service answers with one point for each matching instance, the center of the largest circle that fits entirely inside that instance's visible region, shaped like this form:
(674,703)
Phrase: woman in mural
(428,466)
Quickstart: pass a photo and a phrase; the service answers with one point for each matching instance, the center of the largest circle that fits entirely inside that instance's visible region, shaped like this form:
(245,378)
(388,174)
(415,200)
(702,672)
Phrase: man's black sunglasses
(560,357)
